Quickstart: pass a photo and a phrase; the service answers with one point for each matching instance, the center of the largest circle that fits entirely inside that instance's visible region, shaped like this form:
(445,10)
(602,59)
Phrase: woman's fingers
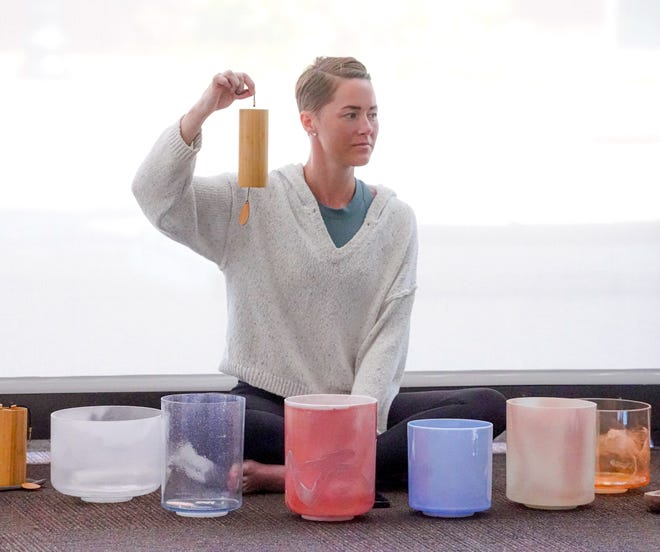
(246,86)
(238,84)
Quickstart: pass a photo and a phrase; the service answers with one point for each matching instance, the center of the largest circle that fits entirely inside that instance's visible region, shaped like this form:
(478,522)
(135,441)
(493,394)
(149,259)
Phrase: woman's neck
(332,188)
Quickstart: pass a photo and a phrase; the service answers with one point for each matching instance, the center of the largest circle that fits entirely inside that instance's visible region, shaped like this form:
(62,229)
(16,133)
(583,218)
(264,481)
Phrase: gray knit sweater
(303,315)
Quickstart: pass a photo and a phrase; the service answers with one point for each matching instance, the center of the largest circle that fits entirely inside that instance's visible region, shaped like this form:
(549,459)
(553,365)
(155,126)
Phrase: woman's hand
(223,90)
(221,93)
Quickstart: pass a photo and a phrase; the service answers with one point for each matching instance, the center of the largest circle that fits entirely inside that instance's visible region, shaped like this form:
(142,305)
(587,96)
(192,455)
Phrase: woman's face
(347,126)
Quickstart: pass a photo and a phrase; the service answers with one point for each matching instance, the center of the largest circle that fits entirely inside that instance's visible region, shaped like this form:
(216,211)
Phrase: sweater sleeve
(192,210)
(382,356)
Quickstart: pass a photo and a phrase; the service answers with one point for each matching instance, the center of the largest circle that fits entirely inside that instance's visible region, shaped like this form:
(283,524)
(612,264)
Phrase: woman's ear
(307,120)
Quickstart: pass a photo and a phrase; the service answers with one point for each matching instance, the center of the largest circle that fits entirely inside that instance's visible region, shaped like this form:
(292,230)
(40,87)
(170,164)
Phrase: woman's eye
(373,116)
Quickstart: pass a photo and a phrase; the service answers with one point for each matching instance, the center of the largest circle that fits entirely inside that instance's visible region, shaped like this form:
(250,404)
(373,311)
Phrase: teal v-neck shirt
(343,224)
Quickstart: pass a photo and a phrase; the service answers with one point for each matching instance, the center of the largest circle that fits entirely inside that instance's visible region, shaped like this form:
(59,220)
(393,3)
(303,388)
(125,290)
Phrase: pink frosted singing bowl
(550,448)
(330,448)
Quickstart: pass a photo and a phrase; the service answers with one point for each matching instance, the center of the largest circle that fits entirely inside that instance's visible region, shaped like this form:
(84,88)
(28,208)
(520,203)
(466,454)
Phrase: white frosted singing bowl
(106,453)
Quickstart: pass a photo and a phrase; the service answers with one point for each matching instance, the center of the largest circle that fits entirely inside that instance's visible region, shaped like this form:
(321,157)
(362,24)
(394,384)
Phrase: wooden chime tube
(253,148)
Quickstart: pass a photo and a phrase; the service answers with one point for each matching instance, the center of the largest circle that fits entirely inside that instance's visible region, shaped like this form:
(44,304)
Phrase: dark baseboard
(42,404)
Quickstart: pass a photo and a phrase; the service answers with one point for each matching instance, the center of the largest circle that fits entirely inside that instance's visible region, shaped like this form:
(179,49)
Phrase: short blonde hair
(318,83)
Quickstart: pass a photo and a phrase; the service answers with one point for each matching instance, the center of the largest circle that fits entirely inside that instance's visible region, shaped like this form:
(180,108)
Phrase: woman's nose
(366,126)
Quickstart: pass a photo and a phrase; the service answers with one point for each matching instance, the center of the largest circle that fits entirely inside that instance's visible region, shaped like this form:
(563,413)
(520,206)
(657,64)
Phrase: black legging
(264,423)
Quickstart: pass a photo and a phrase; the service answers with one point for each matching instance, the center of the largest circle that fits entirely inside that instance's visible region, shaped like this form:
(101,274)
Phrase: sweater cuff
(179,147)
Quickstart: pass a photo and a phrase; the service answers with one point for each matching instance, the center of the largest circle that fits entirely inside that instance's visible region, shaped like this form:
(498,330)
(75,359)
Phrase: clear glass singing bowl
(106,453)
(623,451)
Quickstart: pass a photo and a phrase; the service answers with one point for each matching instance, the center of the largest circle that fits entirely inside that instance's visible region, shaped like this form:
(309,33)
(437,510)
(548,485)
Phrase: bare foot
(259,477)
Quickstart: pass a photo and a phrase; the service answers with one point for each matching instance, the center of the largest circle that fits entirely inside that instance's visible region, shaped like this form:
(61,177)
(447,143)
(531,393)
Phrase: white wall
(492,113)
(106,294)
(538,298)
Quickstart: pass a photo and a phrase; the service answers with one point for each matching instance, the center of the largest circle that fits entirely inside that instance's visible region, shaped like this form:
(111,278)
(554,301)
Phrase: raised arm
(220,94)
(192,210)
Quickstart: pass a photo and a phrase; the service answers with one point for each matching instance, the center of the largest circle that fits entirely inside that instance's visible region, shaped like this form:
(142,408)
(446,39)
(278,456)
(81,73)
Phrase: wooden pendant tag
(244,214)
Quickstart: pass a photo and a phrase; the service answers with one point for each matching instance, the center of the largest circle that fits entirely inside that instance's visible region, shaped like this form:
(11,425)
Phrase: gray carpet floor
(46,520)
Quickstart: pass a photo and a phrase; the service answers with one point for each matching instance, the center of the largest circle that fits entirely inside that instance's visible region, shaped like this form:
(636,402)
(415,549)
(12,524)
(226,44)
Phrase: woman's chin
(361,160)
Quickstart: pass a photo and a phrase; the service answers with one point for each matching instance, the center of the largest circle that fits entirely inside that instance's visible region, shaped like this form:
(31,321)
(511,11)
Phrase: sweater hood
(293,176)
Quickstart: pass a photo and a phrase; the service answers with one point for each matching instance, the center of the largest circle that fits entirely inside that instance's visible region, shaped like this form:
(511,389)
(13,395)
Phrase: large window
(524,133)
